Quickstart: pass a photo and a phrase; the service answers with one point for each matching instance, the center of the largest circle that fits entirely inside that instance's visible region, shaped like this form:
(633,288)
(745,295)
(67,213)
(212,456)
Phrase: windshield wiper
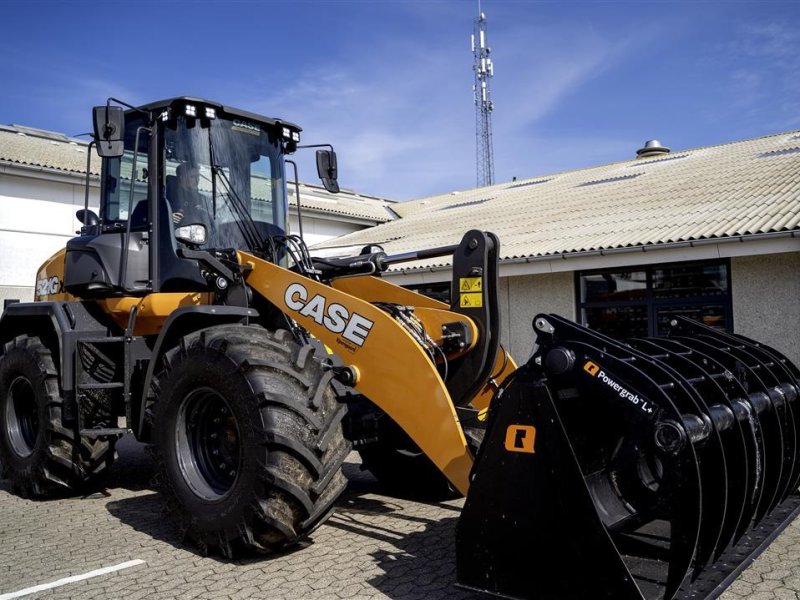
(245,223)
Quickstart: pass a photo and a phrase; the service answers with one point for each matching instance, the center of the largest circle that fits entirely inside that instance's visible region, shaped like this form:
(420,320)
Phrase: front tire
(39,454)
(249,439)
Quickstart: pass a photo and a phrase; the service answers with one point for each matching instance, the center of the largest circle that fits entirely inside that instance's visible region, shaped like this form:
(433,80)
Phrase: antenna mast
(484,71)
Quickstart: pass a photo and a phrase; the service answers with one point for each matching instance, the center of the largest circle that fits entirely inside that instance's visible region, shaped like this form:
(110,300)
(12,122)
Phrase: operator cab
(179,177)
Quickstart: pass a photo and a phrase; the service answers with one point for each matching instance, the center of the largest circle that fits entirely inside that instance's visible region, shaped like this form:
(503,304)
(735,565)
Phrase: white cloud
(401,115)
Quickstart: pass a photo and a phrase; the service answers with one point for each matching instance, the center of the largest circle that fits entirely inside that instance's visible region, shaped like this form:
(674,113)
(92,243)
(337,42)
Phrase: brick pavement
(375,546)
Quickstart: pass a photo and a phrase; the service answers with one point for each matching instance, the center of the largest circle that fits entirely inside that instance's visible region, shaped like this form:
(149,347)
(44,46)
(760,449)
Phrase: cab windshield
(227,175)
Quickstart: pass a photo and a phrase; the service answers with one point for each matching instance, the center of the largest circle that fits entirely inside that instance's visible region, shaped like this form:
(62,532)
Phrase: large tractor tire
(39,454)
(248,439)
(401,467)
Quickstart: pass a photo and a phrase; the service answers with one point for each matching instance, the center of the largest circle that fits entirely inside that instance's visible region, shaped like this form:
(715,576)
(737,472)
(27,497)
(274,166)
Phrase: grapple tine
(769,421)
(785,376)
(733,392)
(791,389)
(782,383)
(774,386)
(695,370)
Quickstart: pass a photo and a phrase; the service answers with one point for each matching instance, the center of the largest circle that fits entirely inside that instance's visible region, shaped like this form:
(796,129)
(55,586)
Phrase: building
(712,233)
(43,184)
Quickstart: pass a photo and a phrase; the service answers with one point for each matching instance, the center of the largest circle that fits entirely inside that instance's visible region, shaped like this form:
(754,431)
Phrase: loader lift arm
(348,317)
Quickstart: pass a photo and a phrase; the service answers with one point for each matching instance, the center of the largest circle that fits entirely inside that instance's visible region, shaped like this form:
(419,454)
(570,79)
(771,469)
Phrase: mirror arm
(126,105)
(297,197)
(123,270)
(88,175)
(317,146)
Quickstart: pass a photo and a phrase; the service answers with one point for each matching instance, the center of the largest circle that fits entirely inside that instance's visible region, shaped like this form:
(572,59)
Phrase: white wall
(527,296)
(766,300)
(316,229)
(37,217)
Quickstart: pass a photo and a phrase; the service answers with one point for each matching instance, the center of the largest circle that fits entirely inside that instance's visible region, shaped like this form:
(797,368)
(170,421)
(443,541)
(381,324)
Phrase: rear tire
(39,455)
(249,439)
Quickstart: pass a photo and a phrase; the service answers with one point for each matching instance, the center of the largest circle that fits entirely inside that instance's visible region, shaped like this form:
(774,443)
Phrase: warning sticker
(470,284)
(471,300)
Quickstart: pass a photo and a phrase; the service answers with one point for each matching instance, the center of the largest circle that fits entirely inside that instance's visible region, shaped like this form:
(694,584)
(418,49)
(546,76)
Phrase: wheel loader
(186,313)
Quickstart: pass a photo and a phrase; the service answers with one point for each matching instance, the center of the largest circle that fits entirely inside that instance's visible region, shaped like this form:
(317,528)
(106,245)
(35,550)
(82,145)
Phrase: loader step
(101,432)
(115,385)
(102,340)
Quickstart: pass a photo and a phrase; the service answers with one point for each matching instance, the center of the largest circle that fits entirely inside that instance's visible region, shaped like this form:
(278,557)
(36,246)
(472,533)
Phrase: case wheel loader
(185,312)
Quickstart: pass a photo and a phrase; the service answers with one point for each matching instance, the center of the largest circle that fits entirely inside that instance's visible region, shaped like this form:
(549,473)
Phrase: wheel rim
(207,444)
(22,417)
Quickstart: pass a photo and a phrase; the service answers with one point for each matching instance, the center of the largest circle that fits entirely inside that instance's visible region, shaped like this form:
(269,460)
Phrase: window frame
(651,303)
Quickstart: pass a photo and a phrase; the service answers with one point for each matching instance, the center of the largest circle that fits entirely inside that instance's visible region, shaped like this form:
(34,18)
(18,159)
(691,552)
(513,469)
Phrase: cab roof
(228,110)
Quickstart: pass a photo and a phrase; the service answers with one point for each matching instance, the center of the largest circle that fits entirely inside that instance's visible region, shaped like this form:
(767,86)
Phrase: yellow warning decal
(483,414)
(471,300)
(470,284)
(521,438)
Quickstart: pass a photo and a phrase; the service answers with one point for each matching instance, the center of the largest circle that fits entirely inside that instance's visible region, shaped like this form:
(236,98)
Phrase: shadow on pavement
(415,565)
(146,513)
(133,470)
(419,564)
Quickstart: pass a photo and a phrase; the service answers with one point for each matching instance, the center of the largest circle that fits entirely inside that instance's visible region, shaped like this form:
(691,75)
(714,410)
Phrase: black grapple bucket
(649,468)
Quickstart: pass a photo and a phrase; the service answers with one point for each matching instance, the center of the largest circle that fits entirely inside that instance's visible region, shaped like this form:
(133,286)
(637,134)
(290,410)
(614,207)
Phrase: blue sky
(389,82)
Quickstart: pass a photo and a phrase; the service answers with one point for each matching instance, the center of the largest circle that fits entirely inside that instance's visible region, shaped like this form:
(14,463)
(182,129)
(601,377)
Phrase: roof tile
(741,188)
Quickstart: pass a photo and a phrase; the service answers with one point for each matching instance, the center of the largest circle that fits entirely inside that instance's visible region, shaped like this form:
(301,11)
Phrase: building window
(641,301)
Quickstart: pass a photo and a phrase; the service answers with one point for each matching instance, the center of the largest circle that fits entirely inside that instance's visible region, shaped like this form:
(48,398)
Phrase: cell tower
(484,71)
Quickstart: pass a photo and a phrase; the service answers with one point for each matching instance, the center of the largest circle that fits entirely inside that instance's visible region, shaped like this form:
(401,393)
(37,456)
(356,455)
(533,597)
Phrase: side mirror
(326,168)
(109,130)
(87,217)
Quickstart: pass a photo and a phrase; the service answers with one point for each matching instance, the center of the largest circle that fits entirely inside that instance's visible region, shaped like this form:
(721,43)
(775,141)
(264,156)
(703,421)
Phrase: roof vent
(651,148)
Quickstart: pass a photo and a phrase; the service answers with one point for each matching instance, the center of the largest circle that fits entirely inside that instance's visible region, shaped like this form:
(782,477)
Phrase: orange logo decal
(591,368)
(520,438)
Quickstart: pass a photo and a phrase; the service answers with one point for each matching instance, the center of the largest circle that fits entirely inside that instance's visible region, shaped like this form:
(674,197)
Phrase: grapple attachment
(650,468)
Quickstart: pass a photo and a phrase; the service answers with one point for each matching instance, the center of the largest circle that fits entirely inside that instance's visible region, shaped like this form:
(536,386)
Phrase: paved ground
(375,546)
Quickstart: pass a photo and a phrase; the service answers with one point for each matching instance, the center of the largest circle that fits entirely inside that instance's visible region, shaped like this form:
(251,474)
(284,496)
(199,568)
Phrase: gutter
(755,237)
(26,170)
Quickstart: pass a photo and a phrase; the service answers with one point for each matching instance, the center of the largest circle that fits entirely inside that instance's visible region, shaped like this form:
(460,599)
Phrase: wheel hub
(22,417)
(207,444)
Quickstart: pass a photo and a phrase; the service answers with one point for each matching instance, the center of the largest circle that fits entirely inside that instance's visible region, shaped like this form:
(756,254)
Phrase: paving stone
(375,547)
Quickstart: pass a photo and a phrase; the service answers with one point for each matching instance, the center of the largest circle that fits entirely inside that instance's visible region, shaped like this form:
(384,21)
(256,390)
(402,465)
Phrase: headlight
(191,234)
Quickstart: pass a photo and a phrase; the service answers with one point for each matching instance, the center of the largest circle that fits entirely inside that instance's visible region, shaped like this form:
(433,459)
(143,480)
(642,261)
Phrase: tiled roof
(345,203)
(26,146)
(735,189)
(38,148)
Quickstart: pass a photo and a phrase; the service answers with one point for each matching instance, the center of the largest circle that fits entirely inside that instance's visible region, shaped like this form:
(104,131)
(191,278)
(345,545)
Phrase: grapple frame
(650,468)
